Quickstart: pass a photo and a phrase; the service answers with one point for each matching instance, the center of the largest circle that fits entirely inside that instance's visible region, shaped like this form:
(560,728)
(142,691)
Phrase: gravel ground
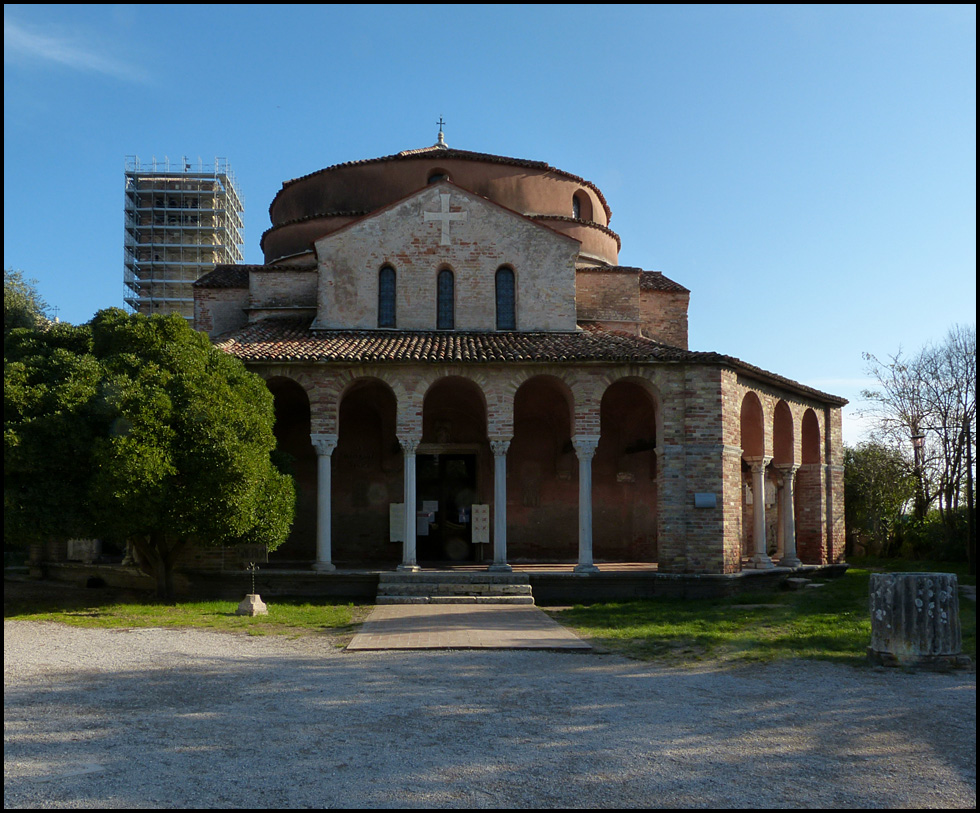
(165,718)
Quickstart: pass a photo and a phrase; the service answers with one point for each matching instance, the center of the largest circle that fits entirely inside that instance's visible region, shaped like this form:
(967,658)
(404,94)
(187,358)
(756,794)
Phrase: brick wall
(274,288)
(608,296)
(489,237)
(663,316)
(220,310)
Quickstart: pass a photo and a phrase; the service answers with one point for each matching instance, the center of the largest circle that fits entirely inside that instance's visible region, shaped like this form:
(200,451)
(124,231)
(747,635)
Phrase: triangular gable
(441,188)
(440,227)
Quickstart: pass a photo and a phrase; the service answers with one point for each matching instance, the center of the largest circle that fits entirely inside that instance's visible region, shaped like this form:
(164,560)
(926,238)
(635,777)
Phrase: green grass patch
(878,563)
(286,616)
(827,623)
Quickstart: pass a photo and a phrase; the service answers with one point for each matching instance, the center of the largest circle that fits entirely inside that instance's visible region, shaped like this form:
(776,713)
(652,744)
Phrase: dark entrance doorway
(446,489)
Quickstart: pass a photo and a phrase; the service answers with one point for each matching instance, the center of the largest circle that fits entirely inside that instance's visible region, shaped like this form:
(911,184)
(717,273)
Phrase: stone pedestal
(915,620)
(252,605)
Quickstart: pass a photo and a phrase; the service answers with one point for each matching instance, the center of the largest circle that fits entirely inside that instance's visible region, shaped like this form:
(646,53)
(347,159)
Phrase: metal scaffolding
(181,219)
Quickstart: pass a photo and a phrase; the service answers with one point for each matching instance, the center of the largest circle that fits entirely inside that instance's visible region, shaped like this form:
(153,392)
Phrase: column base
(585,569)
(324,567)
(760,561)
(790,561)
(500,568)
(408,568)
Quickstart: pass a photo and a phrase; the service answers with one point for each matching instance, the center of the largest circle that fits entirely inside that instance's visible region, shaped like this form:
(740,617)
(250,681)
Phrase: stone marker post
(250,555)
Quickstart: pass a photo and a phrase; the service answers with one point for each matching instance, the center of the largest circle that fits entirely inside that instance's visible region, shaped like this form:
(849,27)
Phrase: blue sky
(808,172)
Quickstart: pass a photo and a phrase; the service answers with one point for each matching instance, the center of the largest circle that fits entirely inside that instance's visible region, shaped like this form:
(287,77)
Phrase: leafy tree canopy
(161,437)
(22,304)
(927,402)
(878,485)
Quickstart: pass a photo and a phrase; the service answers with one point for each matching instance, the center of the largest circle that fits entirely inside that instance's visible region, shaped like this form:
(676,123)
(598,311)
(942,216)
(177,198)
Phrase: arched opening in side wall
(811,539)
(752,439)
(778,476)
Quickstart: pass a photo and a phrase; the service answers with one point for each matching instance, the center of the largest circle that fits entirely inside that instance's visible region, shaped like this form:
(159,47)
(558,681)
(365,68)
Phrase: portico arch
(542,494)
(624,473)
(292,431)
(367,473)
(454,470)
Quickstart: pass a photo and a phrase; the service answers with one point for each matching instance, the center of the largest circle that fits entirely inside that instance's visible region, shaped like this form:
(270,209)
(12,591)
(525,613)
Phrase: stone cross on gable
(445,217)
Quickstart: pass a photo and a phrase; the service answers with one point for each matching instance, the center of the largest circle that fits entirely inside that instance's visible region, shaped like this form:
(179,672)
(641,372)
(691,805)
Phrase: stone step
(454,588)
(467,578)
(522,600)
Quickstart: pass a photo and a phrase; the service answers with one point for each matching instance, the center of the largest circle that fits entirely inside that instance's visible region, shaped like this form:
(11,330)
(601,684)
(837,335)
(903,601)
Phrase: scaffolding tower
(181,220)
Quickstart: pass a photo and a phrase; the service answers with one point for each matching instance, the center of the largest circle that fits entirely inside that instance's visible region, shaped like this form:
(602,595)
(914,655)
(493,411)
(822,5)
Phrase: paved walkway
(462,626)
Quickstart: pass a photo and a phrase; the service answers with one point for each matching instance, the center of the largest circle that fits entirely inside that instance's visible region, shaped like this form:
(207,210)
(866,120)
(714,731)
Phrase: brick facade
(598,365)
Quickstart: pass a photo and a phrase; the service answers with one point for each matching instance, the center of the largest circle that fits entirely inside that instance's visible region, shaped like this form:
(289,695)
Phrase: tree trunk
(161,556)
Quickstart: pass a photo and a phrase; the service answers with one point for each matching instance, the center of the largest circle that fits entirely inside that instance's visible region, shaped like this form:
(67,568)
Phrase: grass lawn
(830,622)
(286,616)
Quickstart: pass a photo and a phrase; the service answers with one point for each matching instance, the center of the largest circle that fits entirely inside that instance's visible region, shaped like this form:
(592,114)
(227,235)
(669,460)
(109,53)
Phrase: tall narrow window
(386,297)
(506,313)
(445,296)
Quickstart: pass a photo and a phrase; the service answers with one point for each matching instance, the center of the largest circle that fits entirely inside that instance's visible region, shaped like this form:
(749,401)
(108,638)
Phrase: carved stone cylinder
(915,620)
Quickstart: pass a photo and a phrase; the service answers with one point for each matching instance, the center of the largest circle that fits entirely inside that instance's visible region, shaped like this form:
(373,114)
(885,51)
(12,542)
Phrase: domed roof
(313,205)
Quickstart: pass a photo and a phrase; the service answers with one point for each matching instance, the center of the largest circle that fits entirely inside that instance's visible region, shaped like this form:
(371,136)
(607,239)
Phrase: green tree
(177,444)
(22,304)
(878,485)
(49,380)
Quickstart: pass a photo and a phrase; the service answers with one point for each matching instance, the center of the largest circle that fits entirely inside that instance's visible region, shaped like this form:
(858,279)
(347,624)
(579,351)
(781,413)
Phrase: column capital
(758,463)
(786,469)
(499,446)
(409,443)
(323,443)
(585,445)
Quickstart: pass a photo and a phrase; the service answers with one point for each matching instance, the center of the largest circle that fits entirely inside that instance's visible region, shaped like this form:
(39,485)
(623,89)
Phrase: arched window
(445,301)
(386,297)
(506,313)
(576,208)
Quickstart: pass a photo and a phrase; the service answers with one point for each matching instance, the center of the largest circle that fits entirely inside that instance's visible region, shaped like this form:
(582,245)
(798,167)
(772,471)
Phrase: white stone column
(409,444)
(499,448)
(760,560)
(324,445)
(787,516)
(585,446)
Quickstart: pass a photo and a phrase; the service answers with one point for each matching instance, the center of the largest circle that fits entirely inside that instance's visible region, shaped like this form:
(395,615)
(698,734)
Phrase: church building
(464,373)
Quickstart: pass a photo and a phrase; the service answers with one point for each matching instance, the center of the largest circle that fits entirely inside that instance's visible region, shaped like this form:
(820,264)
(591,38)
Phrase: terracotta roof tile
(655,281)
(293,340)
(225,276)
(466,155)
(611,269)
(236,276)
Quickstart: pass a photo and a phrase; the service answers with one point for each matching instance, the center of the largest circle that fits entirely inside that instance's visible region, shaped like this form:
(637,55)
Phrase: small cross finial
(442,137)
